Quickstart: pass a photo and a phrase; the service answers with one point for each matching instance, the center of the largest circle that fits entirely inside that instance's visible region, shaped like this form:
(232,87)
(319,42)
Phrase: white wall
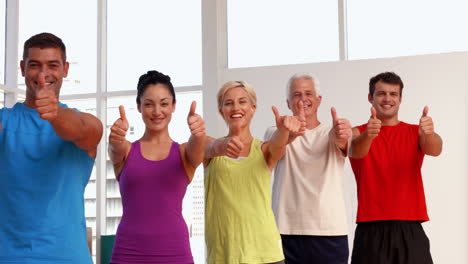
(439,81)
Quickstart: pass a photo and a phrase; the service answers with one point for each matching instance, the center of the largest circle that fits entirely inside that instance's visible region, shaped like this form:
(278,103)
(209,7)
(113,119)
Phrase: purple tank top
(152,229)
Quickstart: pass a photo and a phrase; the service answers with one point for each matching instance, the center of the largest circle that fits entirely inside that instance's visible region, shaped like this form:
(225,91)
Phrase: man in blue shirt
(47,151)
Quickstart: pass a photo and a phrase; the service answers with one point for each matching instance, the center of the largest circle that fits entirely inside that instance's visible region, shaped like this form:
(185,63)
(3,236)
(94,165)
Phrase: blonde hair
(236,84)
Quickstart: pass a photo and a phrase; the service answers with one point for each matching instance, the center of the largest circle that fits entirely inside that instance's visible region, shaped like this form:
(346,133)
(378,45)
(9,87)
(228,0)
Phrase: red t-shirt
(388,178)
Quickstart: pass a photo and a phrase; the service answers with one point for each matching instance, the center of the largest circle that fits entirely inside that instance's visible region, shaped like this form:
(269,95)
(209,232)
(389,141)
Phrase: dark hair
(154,77)
(386,77)
(44,40)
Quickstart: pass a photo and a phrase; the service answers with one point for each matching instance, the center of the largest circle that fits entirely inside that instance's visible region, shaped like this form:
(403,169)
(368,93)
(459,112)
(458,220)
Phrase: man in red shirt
(386,156)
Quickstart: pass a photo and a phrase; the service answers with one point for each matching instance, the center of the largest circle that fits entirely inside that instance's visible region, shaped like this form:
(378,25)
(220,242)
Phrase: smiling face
(237,108)
(386,100)
(156,107)
(303,89)
(48,61)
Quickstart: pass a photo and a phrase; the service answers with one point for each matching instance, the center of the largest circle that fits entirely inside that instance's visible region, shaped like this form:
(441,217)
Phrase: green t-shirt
(239,223)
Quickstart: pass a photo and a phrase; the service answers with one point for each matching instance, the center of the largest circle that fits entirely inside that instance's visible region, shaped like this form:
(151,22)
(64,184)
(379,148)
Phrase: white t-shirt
(308,185)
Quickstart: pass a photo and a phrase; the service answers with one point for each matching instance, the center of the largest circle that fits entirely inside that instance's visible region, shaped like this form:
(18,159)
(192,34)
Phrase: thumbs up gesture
(195,122)
(233,145)
(119,128)
(293,124)
(373,125)
(341,127)
(46,100)
(426,126)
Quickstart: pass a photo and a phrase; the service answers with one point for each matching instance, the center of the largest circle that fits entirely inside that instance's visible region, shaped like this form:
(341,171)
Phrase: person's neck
(30,102)
(245,135)
(156,137)
(312,122)
(391,121)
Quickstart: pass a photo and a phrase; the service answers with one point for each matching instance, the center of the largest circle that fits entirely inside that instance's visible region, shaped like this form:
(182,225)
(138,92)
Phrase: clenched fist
(119,128)
(293,124)
(373,125)
(195,122)
(341,127)
(46,100)
(426,125)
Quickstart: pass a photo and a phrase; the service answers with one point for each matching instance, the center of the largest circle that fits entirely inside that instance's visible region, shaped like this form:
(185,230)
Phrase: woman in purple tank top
(153,175)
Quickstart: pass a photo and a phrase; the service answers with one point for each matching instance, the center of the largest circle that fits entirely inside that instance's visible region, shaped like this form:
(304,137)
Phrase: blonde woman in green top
(240,225)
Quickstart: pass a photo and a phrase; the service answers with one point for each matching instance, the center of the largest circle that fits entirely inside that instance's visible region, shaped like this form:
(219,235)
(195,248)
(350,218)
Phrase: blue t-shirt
(42,182)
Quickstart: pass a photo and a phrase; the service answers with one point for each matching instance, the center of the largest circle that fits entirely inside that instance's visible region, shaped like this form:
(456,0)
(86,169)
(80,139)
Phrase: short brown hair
(385,77)
(44,40)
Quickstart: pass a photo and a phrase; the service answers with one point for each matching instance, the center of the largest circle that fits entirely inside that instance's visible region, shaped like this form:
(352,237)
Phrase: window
(2,98)
(262,33)
(2,40)
(380,28)
(154,35)
(193,204)
(61,18)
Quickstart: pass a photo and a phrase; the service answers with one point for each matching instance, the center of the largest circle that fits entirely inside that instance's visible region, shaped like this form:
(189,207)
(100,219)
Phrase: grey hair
(305,76)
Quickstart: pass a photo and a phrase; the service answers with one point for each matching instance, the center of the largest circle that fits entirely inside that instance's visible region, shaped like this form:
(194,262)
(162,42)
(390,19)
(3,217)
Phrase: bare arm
(118,154)
(83,129)
(228,146)
(119,147)
(213,148)
(274,149)
(361,143)
(429,141)
(431,145)
(197,141)
(341,132)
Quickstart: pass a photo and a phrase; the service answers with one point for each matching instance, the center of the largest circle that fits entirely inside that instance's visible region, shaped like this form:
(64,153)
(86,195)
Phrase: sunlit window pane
(2,40)
(262,33)
(378,28)
(21,97)
(159,35)
(75,22)
(2,98)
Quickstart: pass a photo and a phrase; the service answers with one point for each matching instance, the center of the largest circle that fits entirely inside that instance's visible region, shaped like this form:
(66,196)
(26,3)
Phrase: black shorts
(390,242)
(302,249)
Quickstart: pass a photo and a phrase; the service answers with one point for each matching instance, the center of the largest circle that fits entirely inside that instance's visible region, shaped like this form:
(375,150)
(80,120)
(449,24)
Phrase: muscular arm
(83,129)
(430,144)
(429,141)
(360,145)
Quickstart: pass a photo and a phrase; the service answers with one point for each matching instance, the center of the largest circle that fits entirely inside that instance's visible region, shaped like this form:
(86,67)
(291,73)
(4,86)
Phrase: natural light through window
(378,28)
(153,35)
(2,40)
(263,33)
(75,22)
